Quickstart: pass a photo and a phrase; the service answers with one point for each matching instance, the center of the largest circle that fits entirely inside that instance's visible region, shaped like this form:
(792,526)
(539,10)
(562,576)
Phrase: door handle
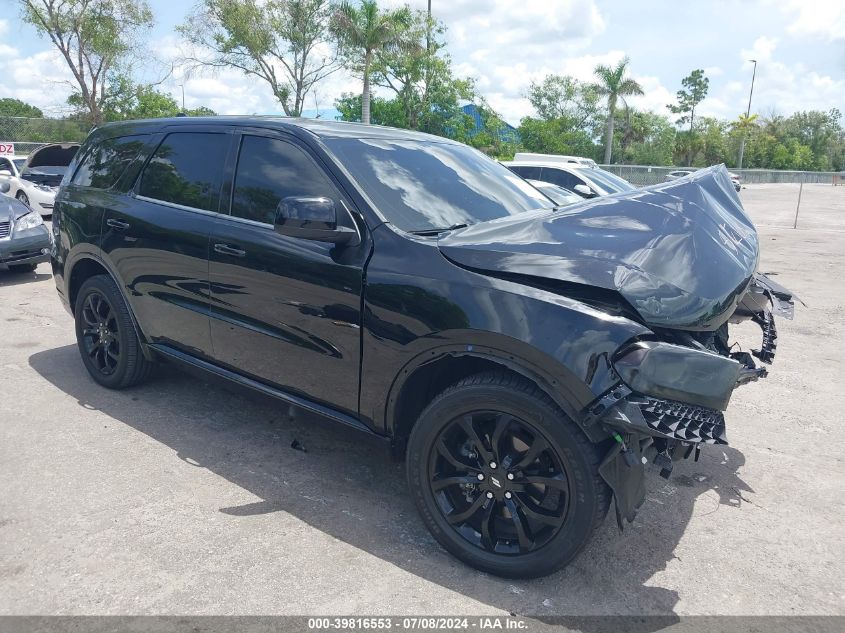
(119,225)
(225,249)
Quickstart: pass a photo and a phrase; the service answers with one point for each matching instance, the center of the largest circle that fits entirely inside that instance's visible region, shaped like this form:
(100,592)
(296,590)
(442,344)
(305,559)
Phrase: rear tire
(105,334)
(22,268)
(534,481)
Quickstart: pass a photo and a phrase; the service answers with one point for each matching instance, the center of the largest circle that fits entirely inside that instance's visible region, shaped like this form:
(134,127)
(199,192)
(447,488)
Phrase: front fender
(410,320)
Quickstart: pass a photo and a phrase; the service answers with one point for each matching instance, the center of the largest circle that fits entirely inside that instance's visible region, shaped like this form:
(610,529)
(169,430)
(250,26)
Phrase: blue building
(507,134)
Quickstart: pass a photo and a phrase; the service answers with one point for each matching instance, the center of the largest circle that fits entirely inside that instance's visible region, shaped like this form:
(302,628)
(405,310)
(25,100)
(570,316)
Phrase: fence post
(798,206)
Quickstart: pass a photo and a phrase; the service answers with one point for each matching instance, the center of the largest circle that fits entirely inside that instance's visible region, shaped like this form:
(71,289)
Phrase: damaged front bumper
(669,398)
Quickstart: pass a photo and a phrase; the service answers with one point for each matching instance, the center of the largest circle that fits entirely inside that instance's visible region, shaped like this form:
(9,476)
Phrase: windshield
(606,180)
(19,163)
(424,185)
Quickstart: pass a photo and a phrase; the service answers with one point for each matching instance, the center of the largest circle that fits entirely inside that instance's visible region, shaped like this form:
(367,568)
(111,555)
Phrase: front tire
(23,198)
(503,479)
(105,334)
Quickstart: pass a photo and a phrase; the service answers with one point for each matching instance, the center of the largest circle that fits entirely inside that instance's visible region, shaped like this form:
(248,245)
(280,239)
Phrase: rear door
(285,310)
(157,238)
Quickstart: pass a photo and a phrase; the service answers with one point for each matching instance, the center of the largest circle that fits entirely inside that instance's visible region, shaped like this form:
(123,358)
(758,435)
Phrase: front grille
(5,229)
(684,422)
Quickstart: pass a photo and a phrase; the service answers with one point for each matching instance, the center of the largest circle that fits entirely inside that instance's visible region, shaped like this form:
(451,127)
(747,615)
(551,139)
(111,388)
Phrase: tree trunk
(608,138)
(365,95)
(741,151)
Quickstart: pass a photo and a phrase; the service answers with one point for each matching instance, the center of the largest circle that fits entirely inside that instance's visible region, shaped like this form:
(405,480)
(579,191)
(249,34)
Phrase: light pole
(747,114)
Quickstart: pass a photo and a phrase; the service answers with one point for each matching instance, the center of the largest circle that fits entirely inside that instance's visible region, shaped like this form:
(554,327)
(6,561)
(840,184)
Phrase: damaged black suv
(527,361)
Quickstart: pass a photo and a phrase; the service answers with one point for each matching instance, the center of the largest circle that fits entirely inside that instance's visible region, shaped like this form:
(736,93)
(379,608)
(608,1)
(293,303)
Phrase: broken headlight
(675,372)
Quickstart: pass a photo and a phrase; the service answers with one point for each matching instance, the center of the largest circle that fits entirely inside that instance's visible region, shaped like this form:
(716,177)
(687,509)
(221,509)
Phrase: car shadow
(339,485)
(9,278)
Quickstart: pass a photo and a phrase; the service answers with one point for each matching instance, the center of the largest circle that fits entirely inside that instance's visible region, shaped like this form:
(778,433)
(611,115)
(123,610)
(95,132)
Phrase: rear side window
(106,161)
(529,173)
(270,170)
(561,178)
(186,169)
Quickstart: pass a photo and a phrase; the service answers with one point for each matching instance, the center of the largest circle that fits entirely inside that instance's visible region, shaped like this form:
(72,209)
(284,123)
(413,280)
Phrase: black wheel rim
(100,333)
(499,483)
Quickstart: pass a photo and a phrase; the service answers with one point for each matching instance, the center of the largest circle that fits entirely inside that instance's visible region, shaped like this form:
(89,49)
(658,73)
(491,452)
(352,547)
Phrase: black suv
(526,360)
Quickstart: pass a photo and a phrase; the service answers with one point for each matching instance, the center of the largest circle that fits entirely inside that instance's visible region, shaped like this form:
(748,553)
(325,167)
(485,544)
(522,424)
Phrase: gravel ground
(182,498)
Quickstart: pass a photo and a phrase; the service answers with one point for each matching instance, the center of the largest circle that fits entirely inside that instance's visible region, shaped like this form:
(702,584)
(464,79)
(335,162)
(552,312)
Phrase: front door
(285,310)
(158,238)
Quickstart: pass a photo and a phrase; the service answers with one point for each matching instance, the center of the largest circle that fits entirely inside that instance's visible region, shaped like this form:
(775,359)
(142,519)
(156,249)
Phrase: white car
(587,182)
(34,180)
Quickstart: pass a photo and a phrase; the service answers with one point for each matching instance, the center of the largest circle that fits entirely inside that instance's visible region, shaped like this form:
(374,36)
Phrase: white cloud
(825,18)
(505,45)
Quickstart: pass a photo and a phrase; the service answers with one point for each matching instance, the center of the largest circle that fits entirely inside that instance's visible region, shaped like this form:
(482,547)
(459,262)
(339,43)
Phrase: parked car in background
(737,183)
(587,182)
(678,173)
(526,362)
(555,158)
(35,179)
(560,196)
(24,239)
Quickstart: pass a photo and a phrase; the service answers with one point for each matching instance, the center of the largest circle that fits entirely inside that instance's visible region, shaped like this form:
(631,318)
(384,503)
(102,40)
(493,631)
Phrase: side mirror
(311,218)
(5,172)
(584,191)
(4,186)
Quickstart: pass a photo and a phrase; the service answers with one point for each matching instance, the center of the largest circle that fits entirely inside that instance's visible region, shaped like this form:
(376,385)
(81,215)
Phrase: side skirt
(191,362)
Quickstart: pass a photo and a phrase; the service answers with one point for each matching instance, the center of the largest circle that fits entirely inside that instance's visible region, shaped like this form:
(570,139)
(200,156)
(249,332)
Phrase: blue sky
(504,44)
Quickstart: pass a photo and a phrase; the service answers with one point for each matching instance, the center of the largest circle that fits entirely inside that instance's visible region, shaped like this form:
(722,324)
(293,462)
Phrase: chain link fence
(642,175)
(29,134)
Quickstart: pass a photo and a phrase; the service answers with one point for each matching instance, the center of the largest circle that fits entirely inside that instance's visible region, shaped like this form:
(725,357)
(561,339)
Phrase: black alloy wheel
(498,482)
(105,334)
(100,333)
(503,478)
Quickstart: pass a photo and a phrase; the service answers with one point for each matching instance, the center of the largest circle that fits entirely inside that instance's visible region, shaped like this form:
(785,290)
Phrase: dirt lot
(180,498)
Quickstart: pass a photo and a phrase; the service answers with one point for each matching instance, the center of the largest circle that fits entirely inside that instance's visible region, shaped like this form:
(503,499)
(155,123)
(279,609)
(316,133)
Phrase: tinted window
(5,164)
(270,170)
(560,177)
(420,185)
(19,163)
(186,169)
(529,173)
(107,161)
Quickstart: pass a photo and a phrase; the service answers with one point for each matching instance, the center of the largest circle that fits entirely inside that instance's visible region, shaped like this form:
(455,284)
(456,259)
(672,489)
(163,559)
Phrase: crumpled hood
(681,253)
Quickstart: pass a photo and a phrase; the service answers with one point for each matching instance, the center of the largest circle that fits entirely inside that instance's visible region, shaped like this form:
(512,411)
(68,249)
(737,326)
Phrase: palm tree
(363,31)
(613,84)
(744,123)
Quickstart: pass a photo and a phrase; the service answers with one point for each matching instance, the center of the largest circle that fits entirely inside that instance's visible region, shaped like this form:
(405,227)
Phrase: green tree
(94,37)
(382,111)
(644,138)
(615,86)
(564,97)
(695,87)
(277,41)
(743,126)
(363,32)
(420,76)
(16,107)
